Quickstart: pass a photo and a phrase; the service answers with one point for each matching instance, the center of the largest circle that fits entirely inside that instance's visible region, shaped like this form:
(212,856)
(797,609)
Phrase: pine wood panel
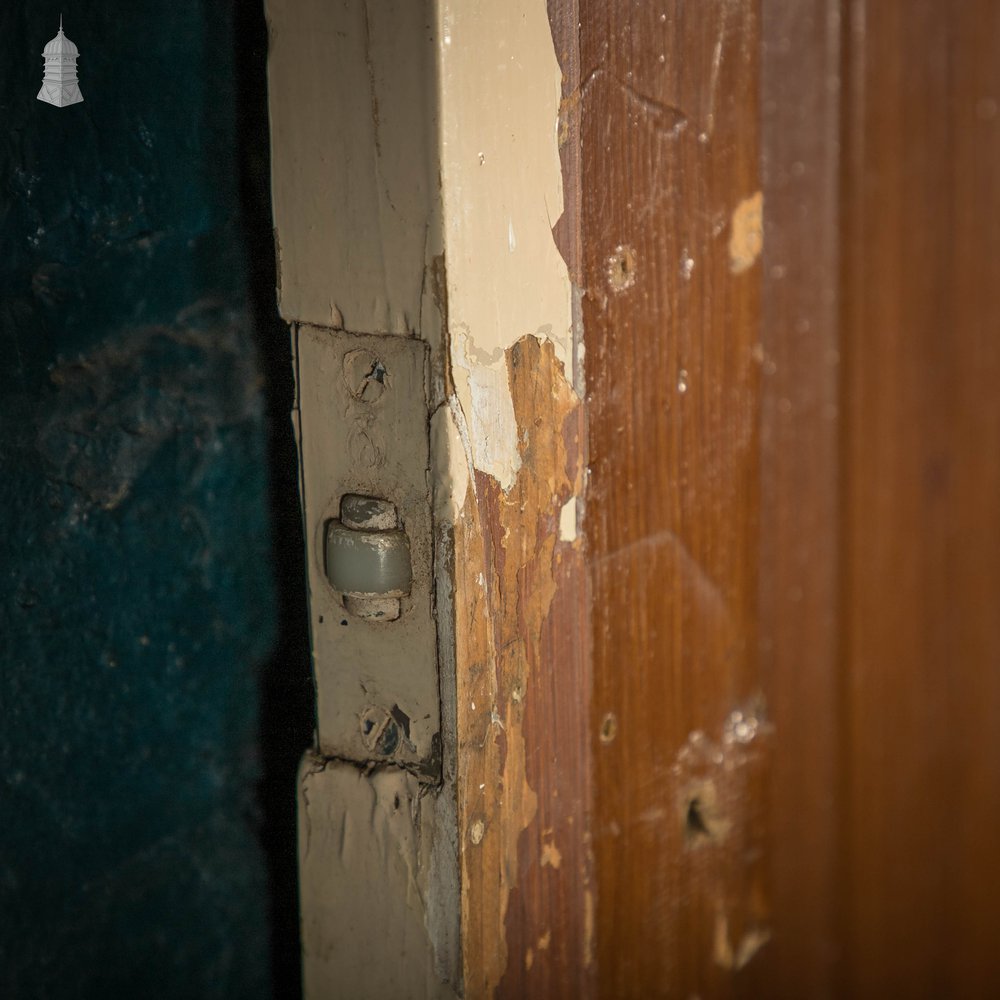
(671,237)
(922,496)
(800,555)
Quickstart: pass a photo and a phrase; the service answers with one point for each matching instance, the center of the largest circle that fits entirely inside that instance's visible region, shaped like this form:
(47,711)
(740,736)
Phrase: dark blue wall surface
(137,595)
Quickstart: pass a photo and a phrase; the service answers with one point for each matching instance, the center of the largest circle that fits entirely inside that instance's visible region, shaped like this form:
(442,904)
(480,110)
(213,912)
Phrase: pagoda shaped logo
(59,85)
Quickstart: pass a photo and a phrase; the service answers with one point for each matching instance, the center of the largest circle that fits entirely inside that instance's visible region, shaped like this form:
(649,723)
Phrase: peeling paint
(567,521)
(368,847)
(502,191)
(450,454)
(498,642)
(746,237)
(505,473)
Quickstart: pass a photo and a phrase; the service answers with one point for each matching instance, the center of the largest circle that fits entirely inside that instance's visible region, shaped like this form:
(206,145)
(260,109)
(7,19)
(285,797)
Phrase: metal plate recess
(363,431)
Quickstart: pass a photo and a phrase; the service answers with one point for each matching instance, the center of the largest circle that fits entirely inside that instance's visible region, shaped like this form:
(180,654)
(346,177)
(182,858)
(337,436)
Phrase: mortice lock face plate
(363,429)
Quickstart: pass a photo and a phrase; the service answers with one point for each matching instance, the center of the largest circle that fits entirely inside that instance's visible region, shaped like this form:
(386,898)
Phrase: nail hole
(701,811)
(695,824)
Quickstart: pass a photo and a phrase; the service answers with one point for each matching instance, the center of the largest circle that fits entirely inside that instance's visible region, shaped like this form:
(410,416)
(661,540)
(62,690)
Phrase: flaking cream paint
(499,109)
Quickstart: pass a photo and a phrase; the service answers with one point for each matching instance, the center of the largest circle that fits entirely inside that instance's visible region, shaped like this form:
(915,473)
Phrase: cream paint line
(502,191)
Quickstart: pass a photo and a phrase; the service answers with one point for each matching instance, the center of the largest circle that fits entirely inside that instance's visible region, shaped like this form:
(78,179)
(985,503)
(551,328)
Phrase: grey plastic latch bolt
(368,557)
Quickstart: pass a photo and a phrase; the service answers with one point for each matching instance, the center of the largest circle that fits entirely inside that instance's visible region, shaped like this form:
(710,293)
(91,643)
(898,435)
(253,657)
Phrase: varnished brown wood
(738,738)
(800,540)
(671,318)
(922,499)
(860,596)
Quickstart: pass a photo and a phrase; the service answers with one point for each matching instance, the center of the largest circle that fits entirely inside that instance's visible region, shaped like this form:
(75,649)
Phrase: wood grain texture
(921,501)
(519,586)
(800,553)
(815,544)
(671,237)
(522,765)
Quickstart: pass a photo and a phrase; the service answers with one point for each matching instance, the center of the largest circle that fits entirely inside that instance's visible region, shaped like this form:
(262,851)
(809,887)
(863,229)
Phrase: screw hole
(702,816)
(695,823)
(388,740)
(621,268)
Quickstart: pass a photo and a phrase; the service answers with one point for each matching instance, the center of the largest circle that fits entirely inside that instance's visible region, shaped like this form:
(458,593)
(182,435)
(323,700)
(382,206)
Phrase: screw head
(365,375)
(380,732)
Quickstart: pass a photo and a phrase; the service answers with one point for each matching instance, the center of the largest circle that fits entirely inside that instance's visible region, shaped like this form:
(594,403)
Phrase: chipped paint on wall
(502,193)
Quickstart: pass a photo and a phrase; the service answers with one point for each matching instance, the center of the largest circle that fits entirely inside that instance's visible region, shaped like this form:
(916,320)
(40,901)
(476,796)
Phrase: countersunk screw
(380,732)
(388,740)
(365,375)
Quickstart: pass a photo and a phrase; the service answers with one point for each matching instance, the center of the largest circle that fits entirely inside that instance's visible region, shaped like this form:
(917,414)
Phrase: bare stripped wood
(522,763)
(671,220)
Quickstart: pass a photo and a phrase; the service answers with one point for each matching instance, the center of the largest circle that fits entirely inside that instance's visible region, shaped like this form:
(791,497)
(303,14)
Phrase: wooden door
(707,550)
(794,545)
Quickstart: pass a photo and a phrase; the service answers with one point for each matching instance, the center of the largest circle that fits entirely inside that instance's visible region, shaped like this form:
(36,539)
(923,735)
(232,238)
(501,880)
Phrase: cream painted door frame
(416,181)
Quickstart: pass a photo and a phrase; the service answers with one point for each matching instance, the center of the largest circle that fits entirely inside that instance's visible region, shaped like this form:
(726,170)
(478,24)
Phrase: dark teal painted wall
(137,596)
